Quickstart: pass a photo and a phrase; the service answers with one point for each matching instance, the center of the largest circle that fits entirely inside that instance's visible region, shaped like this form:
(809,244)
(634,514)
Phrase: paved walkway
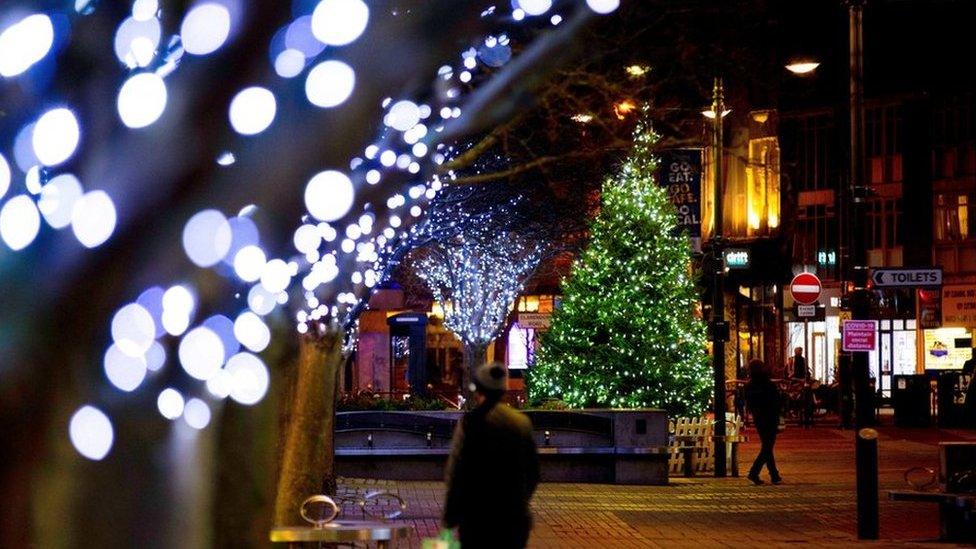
(815,505)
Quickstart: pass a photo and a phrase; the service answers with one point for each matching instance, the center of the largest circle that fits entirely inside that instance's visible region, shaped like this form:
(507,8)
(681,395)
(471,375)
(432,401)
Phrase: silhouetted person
(763,401)
(493,469)
(799,364)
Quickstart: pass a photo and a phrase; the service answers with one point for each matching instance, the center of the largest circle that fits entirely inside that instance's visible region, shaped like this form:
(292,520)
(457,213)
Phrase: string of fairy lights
(341,255)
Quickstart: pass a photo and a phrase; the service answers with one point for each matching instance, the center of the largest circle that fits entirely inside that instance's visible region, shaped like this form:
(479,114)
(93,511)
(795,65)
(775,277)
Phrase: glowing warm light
(802,67)
(710,114)
(24,43)
(19,222)
(170,403)
(252,110)
(142,100)
(133,330)
(205,28)
(249,263)
(196,413)
(582,118)
(252,332)
(56,136)
(329,195)
(249,378)
(136,41)
(91,433)
(201,353)
(123,371)
(58,199)
(637,70)
(603,6)
(534,7)
(403,115)
(339,22)
(289,63)
(329,83)
(207,238)
(93,219)
(624,108)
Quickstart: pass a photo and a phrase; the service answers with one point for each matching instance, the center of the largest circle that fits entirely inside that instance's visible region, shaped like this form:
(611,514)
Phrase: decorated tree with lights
(478,249)
(626,334)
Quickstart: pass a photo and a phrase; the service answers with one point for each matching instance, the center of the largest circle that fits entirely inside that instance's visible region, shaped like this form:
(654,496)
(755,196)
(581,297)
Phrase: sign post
(805,289)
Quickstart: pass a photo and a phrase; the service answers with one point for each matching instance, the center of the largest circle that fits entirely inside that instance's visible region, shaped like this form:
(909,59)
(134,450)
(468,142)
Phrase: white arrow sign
(907,278)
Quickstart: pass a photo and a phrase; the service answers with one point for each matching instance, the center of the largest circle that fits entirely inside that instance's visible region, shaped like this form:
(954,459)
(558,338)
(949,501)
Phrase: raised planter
(605,446)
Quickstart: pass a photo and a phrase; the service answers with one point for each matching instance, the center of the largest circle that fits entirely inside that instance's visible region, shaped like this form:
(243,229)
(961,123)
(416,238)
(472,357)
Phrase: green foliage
(365,401)
(626,334)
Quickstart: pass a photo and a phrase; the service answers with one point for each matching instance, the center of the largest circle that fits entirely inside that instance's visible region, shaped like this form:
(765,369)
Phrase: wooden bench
(957,512)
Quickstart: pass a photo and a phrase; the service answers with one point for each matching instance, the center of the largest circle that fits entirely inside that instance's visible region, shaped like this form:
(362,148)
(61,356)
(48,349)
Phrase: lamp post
(719,328)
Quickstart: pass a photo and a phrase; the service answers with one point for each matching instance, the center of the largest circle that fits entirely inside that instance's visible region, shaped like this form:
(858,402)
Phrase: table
(343,531)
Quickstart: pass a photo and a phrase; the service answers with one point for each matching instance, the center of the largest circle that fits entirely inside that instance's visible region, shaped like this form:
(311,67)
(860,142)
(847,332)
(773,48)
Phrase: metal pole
(719,329)
(865,447)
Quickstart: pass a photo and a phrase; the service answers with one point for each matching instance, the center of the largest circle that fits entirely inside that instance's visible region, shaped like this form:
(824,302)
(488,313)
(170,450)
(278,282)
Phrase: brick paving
(815,506)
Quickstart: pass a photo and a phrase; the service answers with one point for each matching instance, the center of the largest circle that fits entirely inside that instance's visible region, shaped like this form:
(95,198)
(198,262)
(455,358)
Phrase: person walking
(763,402)
(800,370)
(493,469)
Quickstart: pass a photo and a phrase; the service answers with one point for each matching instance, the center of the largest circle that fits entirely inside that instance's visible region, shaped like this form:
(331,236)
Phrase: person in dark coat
(763,402)
(800,370)
(493,469)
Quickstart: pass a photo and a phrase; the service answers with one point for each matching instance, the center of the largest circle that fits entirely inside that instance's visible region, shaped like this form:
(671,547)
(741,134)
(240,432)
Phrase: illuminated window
(762,185)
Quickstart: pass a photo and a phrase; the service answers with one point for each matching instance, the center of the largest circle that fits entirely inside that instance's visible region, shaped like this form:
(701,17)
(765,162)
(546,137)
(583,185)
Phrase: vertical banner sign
(680,173)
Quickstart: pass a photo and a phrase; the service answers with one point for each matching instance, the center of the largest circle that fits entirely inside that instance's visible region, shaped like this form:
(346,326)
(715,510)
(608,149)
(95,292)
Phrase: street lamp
(802,67)
(719,328)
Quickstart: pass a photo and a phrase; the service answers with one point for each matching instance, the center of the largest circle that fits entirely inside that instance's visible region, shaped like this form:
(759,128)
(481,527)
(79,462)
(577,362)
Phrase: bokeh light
(178,306)
(275,276)
(535,7)
(249,378)
(56,136)
(329,195)
(91,433)
(201,353)
(136,41)
(339,22)
(205,28)
(289,63)
(196,413)
(249,263)
(133,330)
(252,110)
(260,300)
(142,100)
(93,219)
(329,83)
(252,332)
(123,371)
(603,6)
(207,238)
(58,199)
(19,222)
(403,115)
(24,43)
(220,384)
(155,357)
(4,176)
(224,328)
(170,403)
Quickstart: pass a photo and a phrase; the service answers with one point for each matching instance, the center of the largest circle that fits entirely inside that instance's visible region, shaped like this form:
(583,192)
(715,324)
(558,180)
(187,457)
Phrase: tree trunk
(308,453)
(473,355)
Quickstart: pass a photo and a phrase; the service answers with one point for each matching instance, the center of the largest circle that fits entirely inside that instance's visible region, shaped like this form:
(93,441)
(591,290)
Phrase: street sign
(536,321)
(906,278)
(805,288)
(804,311)
(859,335)
(736,258)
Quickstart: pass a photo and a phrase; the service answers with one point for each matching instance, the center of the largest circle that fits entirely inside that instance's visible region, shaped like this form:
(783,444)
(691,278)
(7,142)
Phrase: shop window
(955,217)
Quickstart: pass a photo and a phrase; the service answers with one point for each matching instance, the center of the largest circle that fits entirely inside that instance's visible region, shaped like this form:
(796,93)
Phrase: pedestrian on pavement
(799,365)
(493,469)
(763,402)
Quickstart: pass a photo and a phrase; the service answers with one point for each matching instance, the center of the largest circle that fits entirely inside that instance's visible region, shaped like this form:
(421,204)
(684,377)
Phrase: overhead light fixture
(802,67)
(623,108)
(638,70)
(582,118)
(710,114)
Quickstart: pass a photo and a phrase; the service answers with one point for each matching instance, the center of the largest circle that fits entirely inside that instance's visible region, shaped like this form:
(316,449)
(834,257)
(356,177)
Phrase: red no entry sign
(805,288)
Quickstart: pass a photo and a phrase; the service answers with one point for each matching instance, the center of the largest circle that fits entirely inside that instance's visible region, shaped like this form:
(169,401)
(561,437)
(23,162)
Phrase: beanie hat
(491,377)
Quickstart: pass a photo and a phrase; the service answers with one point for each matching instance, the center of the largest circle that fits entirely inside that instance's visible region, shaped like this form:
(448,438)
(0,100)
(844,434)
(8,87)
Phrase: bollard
(866,463)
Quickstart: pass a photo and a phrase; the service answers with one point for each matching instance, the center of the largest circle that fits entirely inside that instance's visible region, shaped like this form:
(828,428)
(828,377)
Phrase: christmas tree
(626,334)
